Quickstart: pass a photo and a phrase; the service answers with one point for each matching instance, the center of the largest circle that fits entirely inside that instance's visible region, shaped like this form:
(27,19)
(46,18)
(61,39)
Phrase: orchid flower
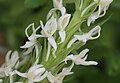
(47,31)
(62,24)
(32,40)
(80,59)
(59,78)
(103,6)
(10,62)
(57,6)
(86,36)
(35,74)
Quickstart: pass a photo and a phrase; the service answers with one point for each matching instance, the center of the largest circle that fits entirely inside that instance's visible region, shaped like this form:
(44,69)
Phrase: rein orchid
(32,40)
(103,6)
(52,45)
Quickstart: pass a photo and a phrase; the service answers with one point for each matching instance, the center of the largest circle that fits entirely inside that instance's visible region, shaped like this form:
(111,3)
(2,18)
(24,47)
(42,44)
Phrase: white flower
(35,74)
(92,34)
(62,24)
(92,18)
(32,40)
(80,59)
(103,6)
(52,12)
(59,78)
(57,6)
(48,31)
(10,62)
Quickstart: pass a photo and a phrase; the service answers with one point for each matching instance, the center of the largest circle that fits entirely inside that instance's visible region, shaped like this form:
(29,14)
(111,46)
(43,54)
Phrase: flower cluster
(50,45)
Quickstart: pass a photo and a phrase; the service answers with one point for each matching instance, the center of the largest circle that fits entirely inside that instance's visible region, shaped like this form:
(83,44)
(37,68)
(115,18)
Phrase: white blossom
(48,31)
(57,6)
(35,74)
(103,6)
(32,40)
(80,59)
(59,77)
(10,62)
(62,24)
(92,34)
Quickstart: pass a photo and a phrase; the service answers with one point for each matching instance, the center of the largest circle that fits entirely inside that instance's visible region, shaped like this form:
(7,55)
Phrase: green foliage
(34,3)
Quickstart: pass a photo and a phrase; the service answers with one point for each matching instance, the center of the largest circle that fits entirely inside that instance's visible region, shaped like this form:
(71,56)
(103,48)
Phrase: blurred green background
(16,15)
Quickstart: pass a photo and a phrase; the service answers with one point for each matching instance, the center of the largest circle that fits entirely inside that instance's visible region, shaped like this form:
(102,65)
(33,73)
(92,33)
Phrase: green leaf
(34,3)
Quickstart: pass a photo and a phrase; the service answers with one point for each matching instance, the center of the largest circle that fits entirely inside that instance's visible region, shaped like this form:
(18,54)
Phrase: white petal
(83,37)
(44,31)
(62,36)
(71,42)
(33,68)
(92,18)
(28,44)
(63,10)
(95,31)
(50,13)
(50,77)
(37,50)
(69,57)
(2,74)
(41,77)
(53,10)
(51,26)
(85,9)
(52,42)
(86,63)
(63,21)
(32,37)
(14,58)
(83,53)
(67,70)
(102,9)
(85,57)
(26,30)
(21,74)
(39,71)
(28,50)
(7,58)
